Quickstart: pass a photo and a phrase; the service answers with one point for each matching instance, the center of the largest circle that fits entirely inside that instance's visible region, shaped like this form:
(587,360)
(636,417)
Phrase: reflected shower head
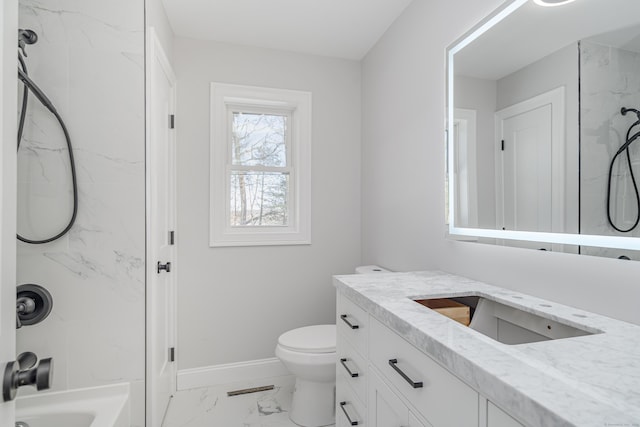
(624,111)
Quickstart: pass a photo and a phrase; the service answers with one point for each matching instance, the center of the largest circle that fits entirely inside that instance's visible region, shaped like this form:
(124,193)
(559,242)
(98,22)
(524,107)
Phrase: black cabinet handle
(351,422)
(344,319)
(344,364)
(393,363)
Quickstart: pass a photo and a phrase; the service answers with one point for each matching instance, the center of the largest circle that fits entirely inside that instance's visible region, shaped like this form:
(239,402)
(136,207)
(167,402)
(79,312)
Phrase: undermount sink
(501,322)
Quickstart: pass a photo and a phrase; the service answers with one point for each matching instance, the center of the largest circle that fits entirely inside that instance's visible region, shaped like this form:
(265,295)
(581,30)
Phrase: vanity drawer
(441,398)
(349,408)
(352,366)
(353,324)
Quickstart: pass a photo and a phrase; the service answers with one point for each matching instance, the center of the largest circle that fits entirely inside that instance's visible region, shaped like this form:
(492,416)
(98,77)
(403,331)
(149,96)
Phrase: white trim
(466,121)
(296,103)
(154,51)
(210,376)
(8,189)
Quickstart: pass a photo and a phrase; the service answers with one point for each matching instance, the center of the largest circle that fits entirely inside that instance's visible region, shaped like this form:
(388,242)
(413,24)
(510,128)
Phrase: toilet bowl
(309,353)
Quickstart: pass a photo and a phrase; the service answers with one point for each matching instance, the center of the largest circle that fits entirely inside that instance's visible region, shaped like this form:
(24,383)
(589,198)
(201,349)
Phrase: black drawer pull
(342,405)
(393,363)
(344,363)
(344,319)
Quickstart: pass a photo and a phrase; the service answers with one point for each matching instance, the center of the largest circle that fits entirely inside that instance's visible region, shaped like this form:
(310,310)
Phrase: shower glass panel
(610,81)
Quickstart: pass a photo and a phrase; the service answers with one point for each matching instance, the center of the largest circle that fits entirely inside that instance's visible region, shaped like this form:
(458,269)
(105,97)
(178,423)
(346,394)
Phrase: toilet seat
(310,339)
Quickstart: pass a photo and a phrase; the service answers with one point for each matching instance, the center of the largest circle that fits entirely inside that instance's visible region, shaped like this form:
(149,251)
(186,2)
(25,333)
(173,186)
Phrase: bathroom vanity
(522,361)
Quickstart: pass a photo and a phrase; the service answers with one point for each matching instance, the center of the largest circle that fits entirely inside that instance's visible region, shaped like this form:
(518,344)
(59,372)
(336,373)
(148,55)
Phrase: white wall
(156,17)
(89,61)
(403,175)
(233,303)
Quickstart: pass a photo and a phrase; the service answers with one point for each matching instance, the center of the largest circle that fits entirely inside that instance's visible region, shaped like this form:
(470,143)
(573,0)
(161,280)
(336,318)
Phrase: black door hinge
(172,237)
(502,145)
(172,354)
(172,121)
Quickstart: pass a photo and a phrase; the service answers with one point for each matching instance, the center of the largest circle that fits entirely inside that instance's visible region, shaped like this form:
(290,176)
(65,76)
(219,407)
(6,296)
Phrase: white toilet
(309,353)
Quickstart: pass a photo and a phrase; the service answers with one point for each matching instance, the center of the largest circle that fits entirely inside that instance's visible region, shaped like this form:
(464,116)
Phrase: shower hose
(30,86)
(625,149)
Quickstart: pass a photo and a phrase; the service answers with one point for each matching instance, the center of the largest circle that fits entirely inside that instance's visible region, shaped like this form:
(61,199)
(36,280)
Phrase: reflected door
(526,172)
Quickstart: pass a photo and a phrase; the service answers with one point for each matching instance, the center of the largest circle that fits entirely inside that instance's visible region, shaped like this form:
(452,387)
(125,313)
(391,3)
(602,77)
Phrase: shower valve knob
(166,267)
(39,375)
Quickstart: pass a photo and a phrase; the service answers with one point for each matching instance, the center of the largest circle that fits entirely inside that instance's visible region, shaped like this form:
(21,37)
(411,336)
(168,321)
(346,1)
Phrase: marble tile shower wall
(89,60)
(610,79)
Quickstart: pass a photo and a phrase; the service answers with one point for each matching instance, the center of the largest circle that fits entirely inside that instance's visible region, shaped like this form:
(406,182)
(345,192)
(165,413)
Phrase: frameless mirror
(543,109)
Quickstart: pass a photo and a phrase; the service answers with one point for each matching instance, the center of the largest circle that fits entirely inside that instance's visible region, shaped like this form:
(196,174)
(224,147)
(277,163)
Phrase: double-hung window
(260,166)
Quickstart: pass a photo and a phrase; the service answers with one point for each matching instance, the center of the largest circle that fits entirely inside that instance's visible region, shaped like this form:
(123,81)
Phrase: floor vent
(249,390)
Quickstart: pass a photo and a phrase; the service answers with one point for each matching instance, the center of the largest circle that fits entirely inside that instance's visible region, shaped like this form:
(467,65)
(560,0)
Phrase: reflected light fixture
(551,3)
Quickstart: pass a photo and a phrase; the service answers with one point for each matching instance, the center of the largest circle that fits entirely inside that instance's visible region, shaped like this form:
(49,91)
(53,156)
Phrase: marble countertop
(585,381)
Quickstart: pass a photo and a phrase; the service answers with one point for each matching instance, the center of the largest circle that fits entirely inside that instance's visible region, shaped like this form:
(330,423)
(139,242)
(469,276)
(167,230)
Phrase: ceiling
(533,32)
(336,28)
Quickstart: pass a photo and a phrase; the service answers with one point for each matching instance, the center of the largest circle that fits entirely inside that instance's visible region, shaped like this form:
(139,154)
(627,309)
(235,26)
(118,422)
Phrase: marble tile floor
(211,407)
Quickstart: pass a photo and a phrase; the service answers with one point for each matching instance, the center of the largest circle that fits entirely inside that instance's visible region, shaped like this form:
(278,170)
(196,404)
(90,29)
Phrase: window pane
(259,199)
(259,139)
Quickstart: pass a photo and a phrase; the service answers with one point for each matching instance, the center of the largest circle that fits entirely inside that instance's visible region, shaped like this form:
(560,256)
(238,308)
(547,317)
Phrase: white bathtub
(89,407)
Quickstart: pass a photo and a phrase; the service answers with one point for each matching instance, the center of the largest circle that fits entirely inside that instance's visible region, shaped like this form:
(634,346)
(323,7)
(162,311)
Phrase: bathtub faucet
(26,371)
(21,424)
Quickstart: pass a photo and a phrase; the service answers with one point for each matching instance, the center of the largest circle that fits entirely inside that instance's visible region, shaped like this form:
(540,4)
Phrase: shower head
(624,111)
(27,36)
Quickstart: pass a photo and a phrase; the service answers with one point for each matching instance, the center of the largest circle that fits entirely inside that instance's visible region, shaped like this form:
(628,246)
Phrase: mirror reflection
(546,123)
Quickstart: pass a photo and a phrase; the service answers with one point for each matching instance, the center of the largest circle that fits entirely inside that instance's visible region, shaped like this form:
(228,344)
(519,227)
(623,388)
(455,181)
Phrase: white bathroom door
(526,165)
(161,232)
(8,188)
(530,173)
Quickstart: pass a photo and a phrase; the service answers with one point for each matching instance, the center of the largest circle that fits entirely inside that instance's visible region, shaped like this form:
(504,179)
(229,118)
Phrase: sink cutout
(500,322)
(455,310)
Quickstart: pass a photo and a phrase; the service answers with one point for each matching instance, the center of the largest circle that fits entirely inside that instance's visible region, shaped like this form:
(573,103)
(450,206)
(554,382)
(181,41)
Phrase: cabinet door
(349,410)
(385,407)
(498,418)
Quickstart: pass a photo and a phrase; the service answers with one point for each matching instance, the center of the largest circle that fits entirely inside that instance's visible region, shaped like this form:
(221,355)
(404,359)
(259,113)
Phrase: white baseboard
(210,376)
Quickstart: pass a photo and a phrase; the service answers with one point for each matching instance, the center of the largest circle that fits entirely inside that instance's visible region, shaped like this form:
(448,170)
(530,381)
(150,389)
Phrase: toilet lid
(310,339)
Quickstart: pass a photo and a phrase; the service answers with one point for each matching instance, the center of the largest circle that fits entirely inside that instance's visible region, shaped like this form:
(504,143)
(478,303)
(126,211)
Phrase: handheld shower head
(624,111)
(26,37)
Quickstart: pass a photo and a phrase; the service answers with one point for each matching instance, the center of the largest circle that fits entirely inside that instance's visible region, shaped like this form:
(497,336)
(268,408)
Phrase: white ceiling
(337,28)
(533,32)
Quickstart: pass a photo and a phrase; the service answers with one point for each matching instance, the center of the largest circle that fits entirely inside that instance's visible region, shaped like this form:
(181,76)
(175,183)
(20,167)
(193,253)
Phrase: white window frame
(227,98)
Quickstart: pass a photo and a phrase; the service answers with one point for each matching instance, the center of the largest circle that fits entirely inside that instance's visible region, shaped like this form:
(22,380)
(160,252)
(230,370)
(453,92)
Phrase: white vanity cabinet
(385,407)
(371,390)
(442,399)
(384,381)
(352,349)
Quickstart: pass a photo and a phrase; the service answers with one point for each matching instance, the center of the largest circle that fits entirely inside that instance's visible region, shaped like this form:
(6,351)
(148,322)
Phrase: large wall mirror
(543,128)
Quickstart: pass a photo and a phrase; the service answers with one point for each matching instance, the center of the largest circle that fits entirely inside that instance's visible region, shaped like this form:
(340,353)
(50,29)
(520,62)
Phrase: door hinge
(172,121)
(172,237)
(172,354)
(502,145)
(166,267)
